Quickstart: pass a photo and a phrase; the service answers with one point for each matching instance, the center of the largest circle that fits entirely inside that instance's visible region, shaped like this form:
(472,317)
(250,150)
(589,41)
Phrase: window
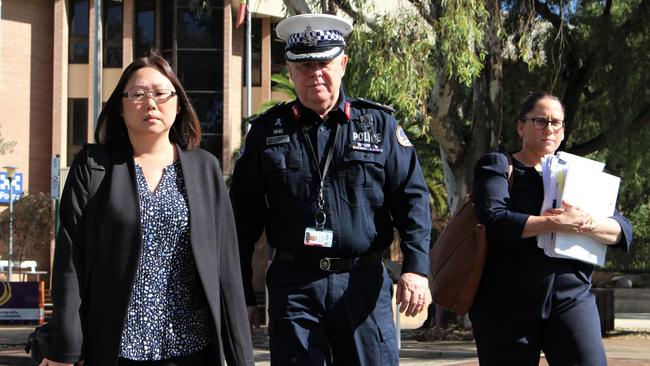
(192,41)
(77,126)
(145,27)
(78,33)
(112,33)
(278,64)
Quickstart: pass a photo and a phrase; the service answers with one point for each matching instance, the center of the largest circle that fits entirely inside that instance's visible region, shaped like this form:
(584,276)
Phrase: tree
(487,54)
(33,225)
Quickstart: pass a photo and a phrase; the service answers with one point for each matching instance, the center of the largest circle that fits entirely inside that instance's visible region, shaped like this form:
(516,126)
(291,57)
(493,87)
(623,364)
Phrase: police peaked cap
(313,37)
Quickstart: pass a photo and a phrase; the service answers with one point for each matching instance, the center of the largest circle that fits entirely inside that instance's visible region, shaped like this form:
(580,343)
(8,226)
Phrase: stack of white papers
(580,182)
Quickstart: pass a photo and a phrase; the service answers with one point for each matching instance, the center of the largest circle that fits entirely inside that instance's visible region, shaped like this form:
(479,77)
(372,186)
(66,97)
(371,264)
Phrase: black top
(505,213)
(374,183)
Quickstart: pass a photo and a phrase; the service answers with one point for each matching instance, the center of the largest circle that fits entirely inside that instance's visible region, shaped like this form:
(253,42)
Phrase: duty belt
(329,264)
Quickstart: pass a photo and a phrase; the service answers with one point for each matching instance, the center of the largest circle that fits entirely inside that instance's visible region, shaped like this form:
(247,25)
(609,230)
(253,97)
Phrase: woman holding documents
(528,301)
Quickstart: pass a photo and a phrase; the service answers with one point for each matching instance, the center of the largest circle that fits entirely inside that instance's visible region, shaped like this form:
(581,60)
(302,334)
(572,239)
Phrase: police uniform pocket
(387,344)
(362,178)
(275,160)
(281,171)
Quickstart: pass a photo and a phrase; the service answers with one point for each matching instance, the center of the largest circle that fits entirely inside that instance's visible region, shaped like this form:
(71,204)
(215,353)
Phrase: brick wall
(26,90)
(26,41)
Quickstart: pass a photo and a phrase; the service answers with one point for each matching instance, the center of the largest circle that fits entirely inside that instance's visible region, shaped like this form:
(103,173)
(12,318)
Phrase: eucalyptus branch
(636,23)
(641,121)
(426,15)
(543,10)
(356,15)
(295,7)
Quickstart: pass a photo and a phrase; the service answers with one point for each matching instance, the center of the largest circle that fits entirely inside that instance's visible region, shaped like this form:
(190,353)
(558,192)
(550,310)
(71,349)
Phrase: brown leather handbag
(458,257)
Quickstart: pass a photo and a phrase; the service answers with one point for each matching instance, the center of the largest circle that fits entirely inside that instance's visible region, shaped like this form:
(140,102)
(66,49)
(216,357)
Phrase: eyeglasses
(540,123)
(141,95)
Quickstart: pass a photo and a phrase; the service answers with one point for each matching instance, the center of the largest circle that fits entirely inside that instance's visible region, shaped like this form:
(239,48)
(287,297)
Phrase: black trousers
(560,318)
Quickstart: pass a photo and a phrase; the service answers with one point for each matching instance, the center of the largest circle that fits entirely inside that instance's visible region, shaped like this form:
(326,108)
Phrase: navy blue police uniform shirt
(374,183)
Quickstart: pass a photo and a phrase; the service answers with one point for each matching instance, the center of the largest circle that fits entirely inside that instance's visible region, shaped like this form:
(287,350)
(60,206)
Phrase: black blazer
(98,246)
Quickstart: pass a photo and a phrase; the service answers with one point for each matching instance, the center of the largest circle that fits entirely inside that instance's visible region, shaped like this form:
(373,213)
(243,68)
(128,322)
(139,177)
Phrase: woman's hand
(570,219)
(47,362)
(573,220)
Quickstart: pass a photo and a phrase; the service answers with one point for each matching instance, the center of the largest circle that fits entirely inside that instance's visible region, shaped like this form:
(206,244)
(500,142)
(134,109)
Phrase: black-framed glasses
(540,123)
(140,95)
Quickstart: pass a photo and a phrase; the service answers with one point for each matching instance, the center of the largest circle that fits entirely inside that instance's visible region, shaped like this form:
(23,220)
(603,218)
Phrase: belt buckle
(325,264)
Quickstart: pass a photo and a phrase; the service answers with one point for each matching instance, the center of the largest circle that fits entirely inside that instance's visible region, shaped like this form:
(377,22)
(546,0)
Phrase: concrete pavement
(628,345)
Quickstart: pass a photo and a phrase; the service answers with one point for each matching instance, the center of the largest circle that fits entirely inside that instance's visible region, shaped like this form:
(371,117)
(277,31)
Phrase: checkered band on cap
(314,37)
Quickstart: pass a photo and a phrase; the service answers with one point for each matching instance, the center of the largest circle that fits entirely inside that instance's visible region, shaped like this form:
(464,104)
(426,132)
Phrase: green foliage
(33,225)
(461,32)
(392,65)
(639,257)
(615,67)
(588,57)
(280,83)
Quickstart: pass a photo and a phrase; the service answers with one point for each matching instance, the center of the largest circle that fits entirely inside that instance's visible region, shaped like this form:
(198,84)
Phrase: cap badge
(310,39)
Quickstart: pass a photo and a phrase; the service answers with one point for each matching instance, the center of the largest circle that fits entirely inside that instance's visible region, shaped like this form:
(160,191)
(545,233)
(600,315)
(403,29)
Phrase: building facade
(50,93)
(53,82)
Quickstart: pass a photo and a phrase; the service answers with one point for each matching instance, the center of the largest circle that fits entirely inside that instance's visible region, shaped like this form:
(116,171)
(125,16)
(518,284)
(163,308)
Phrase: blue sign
(17,184)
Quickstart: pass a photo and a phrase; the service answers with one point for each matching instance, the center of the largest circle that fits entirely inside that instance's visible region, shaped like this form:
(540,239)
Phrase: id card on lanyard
(318,235)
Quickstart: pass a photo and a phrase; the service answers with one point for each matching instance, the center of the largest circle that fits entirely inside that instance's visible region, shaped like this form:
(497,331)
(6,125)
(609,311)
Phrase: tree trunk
(295,7)
(486,116)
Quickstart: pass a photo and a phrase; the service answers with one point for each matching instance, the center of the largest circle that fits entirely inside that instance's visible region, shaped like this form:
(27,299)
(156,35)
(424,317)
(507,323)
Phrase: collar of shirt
(340,112)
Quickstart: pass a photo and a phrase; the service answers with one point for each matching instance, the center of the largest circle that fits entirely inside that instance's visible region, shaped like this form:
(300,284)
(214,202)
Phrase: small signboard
(17,184)
(21,302)
(55,177)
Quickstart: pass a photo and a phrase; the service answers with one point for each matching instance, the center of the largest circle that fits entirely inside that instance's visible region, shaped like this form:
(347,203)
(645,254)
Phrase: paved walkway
(629,345)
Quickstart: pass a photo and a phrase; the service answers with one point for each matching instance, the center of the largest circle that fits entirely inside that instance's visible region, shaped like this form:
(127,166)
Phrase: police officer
(329,177)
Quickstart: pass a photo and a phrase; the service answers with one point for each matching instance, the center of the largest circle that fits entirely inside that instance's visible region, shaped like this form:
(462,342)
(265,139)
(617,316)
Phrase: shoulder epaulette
(270,110)
(371,103)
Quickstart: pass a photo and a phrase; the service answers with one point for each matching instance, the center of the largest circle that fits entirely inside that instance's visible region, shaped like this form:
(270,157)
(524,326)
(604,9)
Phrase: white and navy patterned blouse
(168,314)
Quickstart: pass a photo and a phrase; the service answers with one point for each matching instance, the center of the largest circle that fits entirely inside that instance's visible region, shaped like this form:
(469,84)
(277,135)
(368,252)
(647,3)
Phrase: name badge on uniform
(366,147)
(277,140)
(319,237)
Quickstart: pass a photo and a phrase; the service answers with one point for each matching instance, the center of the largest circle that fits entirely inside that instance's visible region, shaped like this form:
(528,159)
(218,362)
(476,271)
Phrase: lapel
(191,174)
(120,218)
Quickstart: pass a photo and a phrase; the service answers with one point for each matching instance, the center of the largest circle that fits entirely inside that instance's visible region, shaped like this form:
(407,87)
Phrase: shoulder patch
(362,101)
(402,139)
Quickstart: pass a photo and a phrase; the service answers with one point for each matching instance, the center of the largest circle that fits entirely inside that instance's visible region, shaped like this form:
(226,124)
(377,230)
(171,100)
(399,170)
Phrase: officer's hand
(412,293)
(253,316)
(47,362)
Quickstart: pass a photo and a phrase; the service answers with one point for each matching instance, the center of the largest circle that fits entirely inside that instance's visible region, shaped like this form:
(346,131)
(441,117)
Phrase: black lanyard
(321,216)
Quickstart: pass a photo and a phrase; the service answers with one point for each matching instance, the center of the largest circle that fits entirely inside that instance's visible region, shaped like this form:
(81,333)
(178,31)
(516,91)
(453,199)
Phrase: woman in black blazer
(146,265)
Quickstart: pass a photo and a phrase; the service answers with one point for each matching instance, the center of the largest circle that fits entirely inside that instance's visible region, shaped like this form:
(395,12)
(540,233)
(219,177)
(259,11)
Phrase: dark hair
(531,100)
(111,128)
